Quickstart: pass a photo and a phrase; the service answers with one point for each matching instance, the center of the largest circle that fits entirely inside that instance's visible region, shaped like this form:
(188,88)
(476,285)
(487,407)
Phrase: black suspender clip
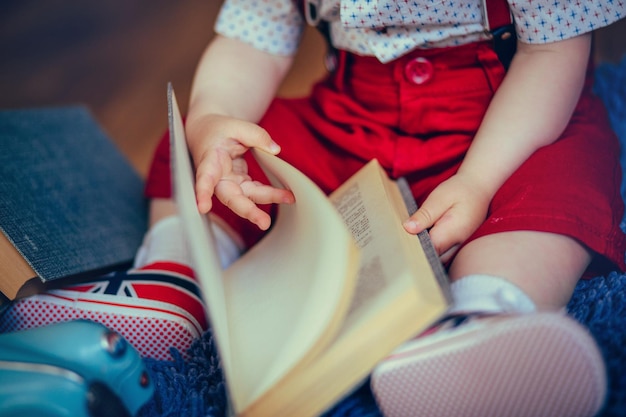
(505,43)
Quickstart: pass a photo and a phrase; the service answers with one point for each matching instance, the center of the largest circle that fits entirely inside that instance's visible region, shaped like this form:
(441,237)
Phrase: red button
(419,70)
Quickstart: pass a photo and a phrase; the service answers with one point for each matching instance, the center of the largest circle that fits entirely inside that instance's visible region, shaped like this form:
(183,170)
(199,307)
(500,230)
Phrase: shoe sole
(529,366)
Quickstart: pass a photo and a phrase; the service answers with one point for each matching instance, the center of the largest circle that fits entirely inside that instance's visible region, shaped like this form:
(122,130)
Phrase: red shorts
(418,116)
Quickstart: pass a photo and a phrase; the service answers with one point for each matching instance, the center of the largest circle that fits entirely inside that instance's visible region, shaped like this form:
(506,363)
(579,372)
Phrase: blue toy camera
(71,369)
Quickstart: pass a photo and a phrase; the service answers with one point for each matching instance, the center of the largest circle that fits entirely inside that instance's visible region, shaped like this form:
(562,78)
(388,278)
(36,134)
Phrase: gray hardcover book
(70,203)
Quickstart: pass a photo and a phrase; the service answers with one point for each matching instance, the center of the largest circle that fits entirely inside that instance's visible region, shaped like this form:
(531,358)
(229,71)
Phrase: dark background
(116,57)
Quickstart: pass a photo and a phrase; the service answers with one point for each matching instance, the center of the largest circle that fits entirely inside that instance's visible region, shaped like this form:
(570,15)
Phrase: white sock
(227,249)
(489,294)
(165,241)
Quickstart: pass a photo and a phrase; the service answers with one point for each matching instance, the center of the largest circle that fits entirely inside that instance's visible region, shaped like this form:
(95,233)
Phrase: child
(516,173)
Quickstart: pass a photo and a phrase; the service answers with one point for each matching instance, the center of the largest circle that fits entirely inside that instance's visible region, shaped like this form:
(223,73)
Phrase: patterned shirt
(388,29)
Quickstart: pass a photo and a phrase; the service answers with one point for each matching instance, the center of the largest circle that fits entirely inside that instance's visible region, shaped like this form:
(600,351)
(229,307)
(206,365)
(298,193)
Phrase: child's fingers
(445,235)
(265,194)
(209,173)
(447,256)
(232,196)
(453,228)
(441,221)
(249,135)
(426,216)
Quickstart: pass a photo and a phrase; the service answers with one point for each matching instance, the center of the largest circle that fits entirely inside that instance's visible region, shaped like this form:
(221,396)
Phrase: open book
(303,316)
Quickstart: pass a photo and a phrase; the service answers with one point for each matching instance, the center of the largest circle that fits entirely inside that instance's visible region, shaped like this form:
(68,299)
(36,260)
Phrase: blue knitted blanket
(194,386)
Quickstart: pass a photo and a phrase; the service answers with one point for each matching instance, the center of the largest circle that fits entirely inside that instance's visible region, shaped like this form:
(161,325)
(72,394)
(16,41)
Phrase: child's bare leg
(160,208)
(545,266)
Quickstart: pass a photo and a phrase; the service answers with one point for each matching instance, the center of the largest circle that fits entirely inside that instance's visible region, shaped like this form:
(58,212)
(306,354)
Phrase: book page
(14,269)
(392,260)
(372,278)
(376,225)
(200,239)
(288,295)
(397,295)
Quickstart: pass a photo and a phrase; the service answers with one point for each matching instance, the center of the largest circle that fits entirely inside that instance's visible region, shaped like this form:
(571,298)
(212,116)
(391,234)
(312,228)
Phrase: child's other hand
(452,212)
(217,145)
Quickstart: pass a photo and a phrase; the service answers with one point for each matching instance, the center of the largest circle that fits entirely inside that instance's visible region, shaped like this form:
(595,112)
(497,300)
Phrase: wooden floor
(116,57)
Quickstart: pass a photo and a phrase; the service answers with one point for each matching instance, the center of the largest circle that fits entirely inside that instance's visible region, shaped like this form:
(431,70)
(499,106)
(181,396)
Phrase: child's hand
(217,145)
(453,211)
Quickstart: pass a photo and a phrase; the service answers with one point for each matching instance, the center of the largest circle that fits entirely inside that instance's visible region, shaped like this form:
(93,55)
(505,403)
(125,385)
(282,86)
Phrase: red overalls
(418,115)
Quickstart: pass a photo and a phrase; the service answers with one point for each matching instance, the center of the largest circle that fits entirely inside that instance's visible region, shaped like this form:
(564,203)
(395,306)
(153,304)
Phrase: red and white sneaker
(155,307)
(541,364)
